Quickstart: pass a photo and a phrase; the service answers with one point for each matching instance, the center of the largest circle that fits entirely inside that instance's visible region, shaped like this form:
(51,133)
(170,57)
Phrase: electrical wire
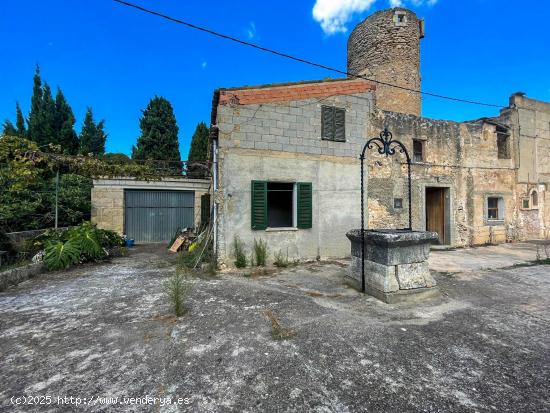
(298,59)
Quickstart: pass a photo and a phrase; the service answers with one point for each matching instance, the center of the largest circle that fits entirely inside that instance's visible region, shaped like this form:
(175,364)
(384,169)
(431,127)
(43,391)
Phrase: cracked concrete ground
(106,330)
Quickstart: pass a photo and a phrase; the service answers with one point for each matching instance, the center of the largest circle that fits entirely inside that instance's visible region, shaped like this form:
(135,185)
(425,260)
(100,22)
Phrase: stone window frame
(501,209)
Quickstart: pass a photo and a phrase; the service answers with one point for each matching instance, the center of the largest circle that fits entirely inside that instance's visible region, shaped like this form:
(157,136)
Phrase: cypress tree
(44,127)
(9,129)
(20,122)
(63,125)
(198,152)
(36,106)
(159,136)
(19,128)
(92,136)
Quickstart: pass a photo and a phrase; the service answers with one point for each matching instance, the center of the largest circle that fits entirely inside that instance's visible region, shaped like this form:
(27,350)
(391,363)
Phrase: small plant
(278,332)
(260,252)
(239,253)
(178,287)
(281,260)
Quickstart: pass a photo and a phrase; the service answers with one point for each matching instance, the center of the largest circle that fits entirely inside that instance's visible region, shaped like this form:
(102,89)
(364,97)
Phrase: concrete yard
(106,331)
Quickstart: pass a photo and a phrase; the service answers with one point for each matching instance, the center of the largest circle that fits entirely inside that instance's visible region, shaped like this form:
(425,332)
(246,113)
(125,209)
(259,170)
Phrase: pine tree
(36,106)
(198,152)
(159,135)
(92,136)
(63,125)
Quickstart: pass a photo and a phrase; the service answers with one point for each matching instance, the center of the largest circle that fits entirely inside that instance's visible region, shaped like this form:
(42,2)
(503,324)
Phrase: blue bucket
(129,242)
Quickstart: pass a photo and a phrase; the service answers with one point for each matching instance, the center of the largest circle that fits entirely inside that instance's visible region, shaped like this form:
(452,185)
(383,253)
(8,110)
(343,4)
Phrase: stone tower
(386,47)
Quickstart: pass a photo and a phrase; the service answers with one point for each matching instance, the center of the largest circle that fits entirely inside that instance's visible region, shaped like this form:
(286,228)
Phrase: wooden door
(435,212)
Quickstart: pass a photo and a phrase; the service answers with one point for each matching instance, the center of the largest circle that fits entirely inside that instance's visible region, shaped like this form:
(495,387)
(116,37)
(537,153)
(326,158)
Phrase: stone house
(287,168)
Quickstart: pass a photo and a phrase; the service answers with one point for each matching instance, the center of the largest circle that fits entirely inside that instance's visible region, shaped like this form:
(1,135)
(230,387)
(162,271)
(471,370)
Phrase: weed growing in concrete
(260,252)
(178,287)
(239,253)
(278,332)
(281,260)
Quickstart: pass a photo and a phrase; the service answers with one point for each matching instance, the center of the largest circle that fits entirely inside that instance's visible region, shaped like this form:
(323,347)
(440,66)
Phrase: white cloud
(333,15)
(251,30)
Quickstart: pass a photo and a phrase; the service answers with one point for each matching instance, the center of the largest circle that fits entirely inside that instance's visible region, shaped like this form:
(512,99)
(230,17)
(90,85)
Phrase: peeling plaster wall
(529,120)
(461,157)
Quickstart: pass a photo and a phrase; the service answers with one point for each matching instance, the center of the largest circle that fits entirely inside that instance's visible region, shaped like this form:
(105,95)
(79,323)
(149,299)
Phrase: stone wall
(386,47)
(108,208)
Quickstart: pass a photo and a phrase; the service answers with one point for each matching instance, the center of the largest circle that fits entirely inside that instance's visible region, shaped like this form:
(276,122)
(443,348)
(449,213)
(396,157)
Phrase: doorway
(436,212)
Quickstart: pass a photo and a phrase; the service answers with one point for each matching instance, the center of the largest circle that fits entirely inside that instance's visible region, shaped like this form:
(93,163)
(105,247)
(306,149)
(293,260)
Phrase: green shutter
(305,203)
(339,125)
(327,122)
(259,205)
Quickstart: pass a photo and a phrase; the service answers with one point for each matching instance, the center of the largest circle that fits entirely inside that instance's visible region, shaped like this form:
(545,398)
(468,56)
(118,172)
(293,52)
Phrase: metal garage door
(154,216)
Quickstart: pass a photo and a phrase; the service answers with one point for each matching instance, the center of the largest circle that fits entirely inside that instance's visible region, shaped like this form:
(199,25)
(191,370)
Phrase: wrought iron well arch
(386,145)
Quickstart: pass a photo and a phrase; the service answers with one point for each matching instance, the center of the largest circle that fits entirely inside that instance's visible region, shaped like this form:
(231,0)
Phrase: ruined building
(287,167)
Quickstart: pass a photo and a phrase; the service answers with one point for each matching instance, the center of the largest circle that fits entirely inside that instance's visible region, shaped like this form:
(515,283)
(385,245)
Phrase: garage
(155,215)
(150,211)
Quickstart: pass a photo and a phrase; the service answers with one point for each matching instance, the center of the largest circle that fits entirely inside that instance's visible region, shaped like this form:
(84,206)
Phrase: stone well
(396,264)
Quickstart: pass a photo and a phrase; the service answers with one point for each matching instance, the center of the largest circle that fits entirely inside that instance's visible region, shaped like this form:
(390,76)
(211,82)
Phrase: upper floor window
(503,143)
(418,150)
(333,123)
(534,199)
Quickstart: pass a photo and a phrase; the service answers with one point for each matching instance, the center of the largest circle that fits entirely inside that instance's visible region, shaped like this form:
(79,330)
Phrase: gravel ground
(106,331)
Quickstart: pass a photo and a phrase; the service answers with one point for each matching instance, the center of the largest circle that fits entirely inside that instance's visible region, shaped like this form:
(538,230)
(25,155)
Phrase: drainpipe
(215,197)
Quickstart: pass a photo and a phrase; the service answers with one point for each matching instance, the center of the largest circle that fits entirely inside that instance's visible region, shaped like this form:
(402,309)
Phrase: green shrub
(63,248)
(260,252)
(59,255)
(239,253)
(281,260)
(178,287)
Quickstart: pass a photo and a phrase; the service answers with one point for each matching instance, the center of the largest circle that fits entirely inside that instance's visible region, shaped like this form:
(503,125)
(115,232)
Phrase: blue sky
(115,59)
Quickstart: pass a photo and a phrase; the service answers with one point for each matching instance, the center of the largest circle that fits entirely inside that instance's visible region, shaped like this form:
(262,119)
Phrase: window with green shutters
(333,123)
(277,205)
